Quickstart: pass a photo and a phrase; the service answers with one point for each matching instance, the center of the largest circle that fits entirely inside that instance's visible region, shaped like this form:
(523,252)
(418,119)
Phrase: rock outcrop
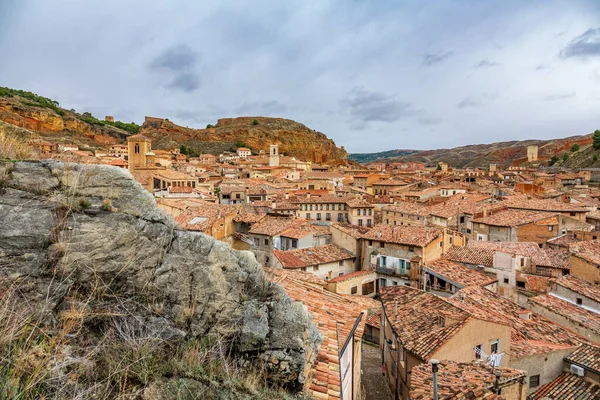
(90,239)
(294,139)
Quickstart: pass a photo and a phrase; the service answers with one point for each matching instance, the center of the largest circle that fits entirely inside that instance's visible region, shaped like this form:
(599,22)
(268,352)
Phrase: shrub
(254,122)
(565,156)
(84,203)
(553,160)
(575,148)
(596,139)
(595,157)
(209,126)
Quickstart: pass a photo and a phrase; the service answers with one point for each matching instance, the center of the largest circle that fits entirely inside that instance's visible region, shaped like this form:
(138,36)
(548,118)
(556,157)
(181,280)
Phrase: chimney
(396,307)
(525,314)
(434,370)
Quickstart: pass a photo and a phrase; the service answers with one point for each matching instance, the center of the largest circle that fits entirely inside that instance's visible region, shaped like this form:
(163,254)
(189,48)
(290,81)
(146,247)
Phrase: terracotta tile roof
(334,315)
(358,202)
(535,283)
(180,189)
(312,256)
(374,318)
(580,286)
(331,199)
(567,387)
(587,356)
(459,274)
(173,175)
(408,207)
(299,275)
(588,250)
(585,318)
(471,255)
(459,380)
(203,217)
(542,205)
(353,230)
(535,335)
(419,236)
(272,225)
(512,217)
(560,258)
(352,275)
(249,214)
(527,249)
(415,318)
(463,203)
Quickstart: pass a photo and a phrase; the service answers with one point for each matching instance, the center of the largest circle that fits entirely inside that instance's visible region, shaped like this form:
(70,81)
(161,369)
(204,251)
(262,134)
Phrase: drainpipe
(434,369)
(498,374)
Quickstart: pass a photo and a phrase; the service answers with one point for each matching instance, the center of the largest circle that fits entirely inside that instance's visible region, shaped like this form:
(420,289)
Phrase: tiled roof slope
(588,250)
(587,356)
(414,317)
(512,217)
(334,315)
(580,286)
(577,315)
(543,205)
(567,387)
(408,235)
(527,249)
(312,256)
(471,255)
(459,380)
(528,336)
(459,273)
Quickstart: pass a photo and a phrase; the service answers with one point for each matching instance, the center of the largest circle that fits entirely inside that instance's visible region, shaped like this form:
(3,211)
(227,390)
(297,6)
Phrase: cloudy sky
(372,75)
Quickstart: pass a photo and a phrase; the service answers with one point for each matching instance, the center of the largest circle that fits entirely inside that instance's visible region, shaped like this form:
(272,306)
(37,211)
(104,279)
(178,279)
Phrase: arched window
(137,148)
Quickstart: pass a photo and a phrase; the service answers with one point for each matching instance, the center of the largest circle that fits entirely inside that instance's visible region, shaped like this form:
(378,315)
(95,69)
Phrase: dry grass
(13,148)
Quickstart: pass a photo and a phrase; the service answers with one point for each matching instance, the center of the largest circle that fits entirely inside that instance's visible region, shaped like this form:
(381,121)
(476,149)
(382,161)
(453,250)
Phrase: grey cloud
(188,82)
(468,102)
(429,120)
(584,45)
(432,59)
(263,108)
(542,67)
(175,58)
(367,106)
(487,63)
(559,96)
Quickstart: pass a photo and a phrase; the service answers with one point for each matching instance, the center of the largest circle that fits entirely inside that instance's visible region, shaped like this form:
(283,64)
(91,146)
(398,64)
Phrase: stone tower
(274,155)
(138,147)
(532,153)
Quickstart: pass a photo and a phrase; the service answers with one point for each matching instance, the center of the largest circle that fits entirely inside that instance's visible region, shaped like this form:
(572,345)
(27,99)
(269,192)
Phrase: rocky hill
(46,117)
(481,155)
(364,158)
(257,133)
(101,296)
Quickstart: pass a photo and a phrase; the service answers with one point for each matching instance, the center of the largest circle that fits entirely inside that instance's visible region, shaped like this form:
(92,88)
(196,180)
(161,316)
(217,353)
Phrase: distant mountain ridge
(479,155)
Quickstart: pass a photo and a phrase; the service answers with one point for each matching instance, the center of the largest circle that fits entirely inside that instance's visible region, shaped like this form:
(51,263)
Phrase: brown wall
(585,270)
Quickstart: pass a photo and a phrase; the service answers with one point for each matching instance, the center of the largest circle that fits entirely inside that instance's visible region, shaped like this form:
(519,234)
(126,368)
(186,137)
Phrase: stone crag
(72,232)
(293,138)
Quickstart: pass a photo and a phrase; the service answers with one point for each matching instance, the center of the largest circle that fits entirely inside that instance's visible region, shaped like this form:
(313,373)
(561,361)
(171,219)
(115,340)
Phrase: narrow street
(374,382)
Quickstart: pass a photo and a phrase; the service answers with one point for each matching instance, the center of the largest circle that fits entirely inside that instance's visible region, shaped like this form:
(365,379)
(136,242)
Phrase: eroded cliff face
(87,244)
(293,138)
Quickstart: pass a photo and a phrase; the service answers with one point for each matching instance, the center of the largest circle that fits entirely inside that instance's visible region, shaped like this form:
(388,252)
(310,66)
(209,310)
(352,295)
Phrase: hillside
(45,117)
(364,158)
(294,139)
(481,155)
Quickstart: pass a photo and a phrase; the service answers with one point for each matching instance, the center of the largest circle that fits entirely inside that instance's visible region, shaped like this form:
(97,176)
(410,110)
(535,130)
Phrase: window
(354,290)
(369,222)
(506,280)
(520,284)
(370,243)
(382,245)
(579,300)
(411,249)
(256,241)
(495,346)
(316,268)
(137,148)
(318,216)
(295,243)
(341,263)
(360,222)
(303,269)
(307,215)
(328,216)
(370,212)
(550,228)
(572,214)
(327,207)
(522,262)
(321,207)
(441,243)
(266,242)
(368,287)
(478,351)
(534,381)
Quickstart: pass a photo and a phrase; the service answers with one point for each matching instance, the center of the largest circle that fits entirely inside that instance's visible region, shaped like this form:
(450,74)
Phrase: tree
(596,139)
(553,161)
(575,148)
(565,156)
(595,157)
(183,150)
(254,122)
(209,126)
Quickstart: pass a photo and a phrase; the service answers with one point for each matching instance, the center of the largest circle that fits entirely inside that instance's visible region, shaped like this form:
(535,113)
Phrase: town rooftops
(588,250)
(419,236)
(173,175)
(458,274)
(406,207)
(578,285)
(530,333)
(355,231)
(352,275)
(512,217)
(459,380)
(542,205)
(414,316)
(311,256)
(586,356)
(201,217)
(567,386)
(471,255)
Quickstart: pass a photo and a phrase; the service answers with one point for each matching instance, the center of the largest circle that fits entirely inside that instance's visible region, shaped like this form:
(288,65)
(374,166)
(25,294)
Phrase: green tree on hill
(553,161)
(565,156)
(575,148)
(596,139)
(254,122)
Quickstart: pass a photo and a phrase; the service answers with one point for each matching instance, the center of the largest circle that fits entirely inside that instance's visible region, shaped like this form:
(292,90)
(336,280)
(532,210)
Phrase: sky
(372,75)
